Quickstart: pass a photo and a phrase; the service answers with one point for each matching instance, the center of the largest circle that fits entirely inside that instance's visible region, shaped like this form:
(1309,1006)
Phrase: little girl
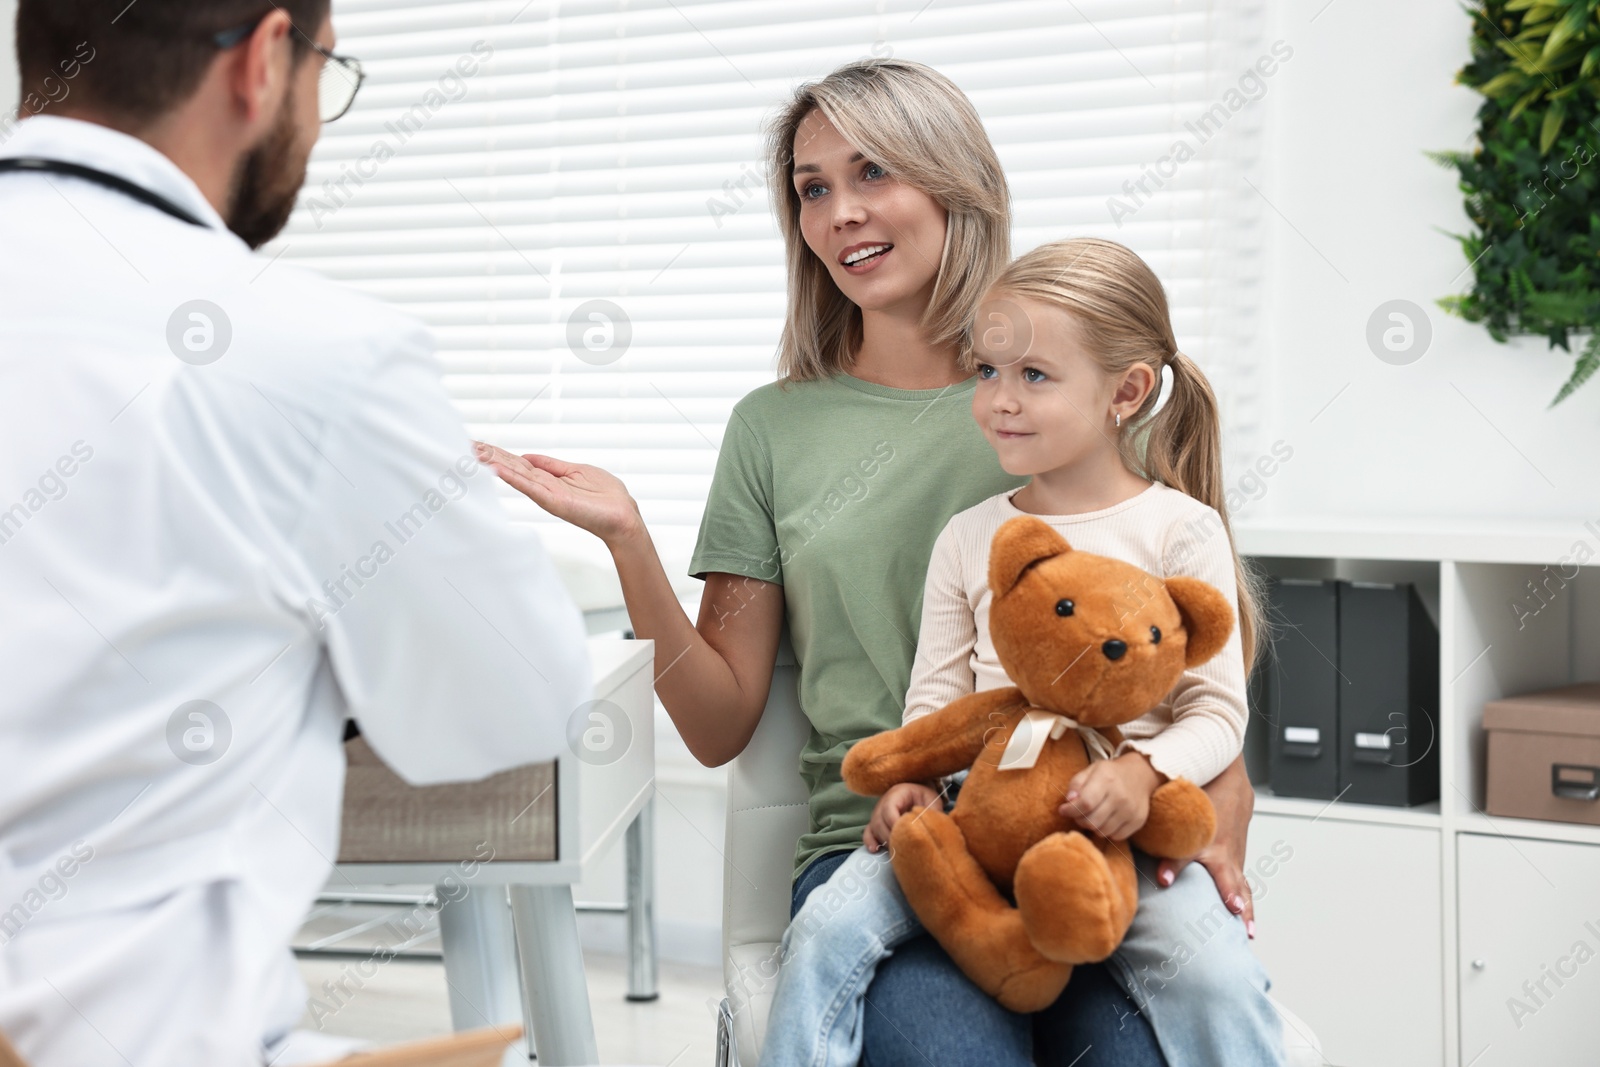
(1070,346)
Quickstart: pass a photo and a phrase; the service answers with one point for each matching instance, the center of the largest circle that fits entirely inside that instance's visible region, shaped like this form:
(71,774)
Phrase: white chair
(766,815)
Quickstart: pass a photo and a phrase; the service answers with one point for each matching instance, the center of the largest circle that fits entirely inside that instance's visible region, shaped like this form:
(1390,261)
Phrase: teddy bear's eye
(1155,635)
(1063,607)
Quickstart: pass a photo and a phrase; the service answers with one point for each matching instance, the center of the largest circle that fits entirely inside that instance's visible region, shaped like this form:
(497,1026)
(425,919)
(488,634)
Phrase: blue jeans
(861,981)
(1196,987)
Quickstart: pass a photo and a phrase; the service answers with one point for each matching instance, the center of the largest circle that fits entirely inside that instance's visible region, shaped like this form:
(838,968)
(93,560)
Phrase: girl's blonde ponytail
(1120,308)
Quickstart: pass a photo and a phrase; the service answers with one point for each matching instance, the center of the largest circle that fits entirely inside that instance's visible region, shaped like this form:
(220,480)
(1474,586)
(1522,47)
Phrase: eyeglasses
(341,76)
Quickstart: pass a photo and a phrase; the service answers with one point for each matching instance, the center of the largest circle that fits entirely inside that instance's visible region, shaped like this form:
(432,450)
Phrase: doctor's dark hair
(147,57)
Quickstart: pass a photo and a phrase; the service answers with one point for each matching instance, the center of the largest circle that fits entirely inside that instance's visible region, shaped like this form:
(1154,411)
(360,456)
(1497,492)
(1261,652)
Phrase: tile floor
(407,997)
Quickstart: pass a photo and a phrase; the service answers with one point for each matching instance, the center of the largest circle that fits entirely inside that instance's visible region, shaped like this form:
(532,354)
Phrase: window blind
(570,194)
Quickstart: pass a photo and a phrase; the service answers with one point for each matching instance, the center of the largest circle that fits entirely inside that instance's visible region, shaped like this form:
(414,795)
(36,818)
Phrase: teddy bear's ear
(1206,616)
(1018,545)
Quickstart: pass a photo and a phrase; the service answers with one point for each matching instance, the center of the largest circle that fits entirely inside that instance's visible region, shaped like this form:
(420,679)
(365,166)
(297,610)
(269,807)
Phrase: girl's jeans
(1186,962)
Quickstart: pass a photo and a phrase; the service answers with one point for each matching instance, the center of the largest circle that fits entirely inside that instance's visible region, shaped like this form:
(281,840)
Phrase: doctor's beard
(268,181)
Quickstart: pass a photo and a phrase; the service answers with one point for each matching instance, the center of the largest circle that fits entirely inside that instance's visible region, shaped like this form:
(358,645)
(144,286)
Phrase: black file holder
(1301,687)
(1388,695)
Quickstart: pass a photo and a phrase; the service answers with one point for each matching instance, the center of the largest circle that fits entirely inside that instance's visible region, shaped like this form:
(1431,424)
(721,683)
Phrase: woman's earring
(1119,420)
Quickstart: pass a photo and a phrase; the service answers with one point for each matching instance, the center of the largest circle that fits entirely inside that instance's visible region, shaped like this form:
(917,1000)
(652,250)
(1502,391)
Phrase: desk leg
(552,975)
(641,845)
(480,964)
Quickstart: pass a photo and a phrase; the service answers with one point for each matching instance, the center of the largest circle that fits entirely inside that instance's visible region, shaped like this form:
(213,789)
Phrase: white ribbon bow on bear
(1037,727)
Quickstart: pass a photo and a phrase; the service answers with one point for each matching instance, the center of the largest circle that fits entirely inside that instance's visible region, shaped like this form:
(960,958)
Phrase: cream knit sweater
(1199,728)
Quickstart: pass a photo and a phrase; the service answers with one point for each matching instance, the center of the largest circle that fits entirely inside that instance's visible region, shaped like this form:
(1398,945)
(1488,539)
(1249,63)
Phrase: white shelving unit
(1404,936)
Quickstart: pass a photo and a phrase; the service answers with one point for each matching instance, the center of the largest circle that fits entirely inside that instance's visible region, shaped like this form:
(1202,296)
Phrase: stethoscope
(37,165)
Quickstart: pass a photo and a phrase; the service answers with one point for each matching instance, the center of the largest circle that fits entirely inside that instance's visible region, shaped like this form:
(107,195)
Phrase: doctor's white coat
(235,507)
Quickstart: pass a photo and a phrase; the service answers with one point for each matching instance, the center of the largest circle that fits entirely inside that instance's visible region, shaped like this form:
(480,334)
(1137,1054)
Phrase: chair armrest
(767,812)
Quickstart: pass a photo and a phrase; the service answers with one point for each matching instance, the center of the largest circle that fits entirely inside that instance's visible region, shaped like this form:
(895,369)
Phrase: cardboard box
(1544,754)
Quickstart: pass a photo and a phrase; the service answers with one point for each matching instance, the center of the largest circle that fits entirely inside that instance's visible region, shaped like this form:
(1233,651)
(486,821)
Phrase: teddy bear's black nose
(1114,648)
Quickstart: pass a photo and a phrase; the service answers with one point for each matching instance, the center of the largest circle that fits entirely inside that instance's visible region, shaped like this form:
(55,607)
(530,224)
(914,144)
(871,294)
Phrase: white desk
(599,797)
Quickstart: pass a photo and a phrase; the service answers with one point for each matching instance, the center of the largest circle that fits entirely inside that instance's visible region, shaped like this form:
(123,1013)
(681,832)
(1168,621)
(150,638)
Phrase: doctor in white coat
(236,507)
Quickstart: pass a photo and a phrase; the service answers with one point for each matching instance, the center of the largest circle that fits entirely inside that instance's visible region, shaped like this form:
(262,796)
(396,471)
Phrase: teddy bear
(1012,890)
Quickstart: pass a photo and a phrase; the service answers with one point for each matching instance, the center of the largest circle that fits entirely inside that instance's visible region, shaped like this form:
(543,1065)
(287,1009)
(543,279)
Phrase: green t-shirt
(836,489)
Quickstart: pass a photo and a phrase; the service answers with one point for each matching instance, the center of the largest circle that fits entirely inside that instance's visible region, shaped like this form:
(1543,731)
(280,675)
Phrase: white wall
(690,817)
(1464,430)
(690,809)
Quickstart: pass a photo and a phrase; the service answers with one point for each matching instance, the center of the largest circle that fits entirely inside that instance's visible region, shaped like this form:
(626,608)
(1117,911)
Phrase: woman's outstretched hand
(588,497)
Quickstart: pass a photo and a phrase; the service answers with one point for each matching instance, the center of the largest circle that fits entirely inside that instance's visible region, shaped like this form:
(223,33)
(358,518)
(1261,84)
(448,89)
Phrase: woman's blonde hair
(1119,309)
(912,121)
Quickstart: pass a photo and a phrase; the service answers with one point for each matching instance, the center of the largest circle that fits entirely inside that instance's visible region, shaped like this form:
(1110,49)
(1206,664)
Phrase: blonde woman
(830,488)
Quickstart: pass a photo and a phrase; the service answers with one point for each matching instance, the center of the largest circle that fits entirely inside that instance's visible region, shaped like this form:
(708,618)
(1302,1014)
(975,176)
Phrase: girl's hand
(585,496)
(1112,797)
(893,804)
(1235,800)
